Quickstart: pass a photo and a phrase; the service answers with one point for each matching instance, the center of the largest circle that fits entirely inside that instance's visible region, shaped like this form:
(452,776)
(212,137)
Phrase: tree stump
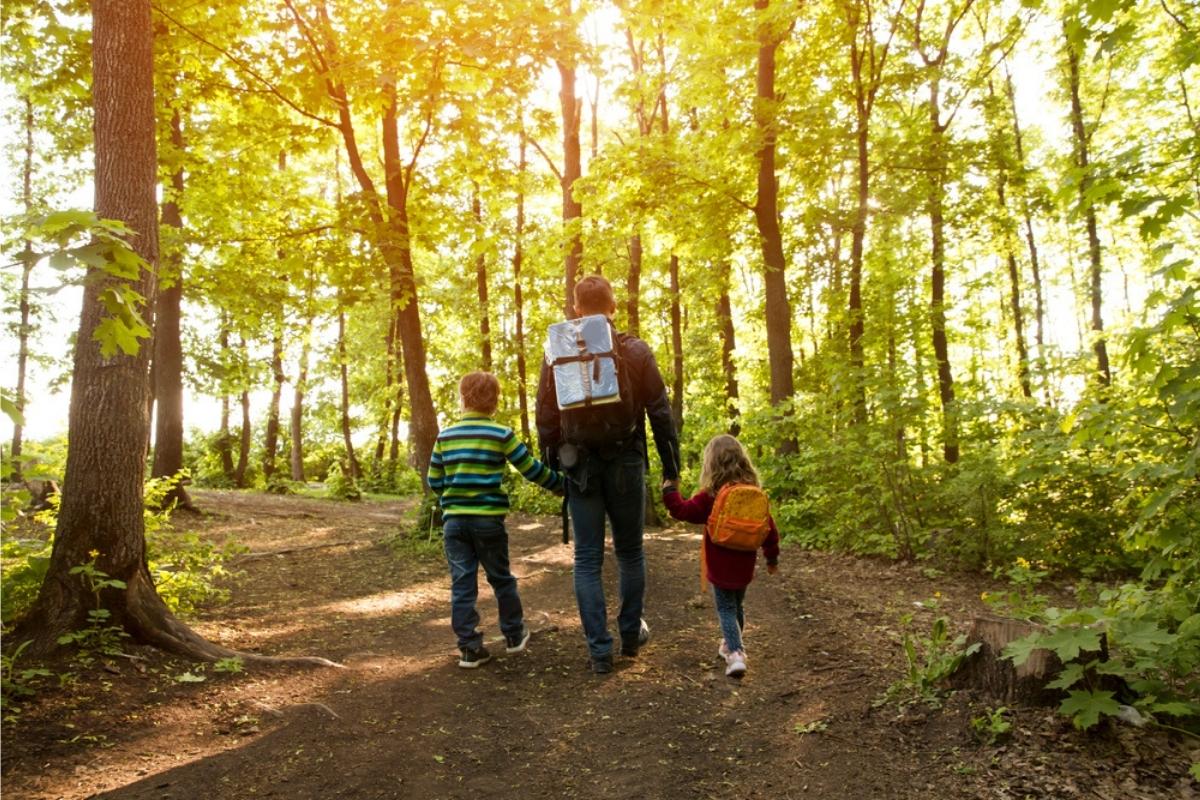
(988,671)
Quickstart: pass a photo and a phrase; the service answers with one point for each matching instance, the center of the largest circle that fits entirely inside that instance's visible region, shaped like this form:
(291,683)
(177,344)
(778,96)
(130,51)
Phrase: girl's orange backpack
(740,520)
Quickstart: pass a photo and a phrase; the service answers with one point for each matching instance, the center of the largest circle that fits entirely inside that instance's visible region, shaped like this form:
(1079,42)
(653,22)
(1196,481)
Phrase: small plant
(15,684)
(993,727)
(929,662)
(232,666)
(98,636)
(341,486)
(816,726)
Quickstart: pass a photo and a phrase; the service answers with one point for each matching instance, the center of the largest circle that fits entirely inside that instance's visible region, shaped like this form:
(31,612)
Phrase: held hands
(670,484)
(772,569)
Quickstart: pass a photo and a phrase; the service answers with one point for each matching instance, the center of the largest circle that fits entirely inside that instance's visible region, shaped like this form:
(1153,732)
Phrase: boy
(465,470)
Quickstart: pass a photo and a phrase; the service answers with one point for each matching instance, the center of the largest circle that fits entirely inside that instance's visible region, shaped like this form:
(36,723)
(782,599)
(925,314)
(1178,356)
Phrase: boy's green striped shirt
(467,465)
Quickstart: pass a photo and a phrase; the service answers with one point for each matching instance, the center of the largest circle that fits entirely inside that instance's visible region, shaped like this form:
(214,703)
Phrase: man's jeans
(614,488)
(471,541)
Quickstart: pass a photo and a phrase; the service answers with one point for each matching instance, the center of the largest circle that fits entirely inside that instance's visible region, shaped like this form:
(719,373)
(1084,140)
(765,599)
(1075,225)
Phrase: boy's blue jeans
(469,542)
(615,488)
(730,615)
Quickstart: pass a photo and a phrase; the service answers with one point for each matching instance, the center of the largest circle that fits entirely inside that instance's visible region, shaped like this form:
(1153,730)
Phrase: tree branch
(549,163)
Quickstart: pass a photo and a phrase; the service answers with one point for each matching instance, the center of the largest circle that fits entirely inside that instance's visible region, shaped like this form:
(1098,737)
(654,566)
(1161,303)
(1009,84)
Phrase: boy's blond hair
(480,392)
(725,461)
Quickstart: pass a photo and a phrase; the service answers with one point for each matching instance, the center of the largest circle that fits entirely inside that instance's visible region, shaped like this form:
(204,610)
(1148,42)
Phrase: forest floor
(402,720)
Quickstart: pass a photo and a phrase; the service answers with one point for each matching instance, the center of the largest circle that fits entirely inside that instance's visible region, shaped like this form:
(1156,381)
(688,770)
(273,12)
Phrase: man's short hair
(479,391)
(594,295)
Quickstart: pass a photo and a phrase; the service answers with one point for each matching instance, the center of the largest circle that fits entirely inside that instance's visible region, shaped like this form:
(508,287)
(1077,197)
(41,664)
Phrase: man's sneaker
(735,664)
(630,646)
(470,658)
(516,643)
(602,665)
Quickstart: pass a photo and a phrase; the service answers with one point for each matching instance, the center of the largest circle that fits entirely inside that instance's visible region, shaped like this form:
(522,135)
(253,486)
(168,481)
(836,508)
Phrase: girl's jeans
(471,542)
(730,615)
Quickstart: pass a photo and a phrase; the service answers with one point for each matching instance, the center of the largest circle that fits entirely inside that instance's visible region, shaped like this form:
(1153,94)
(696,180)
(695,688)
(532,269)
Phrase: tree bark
(24,307)
(1027,213)
(1095,273)
(766,214)
(168,350)
(481,284)
(988,671)
(518,298)
(572,210)
(937,301)
(633,288)
(343,369)
(728,345)
(271,444)
(225,439)
(296,427)
(243,462)
(676,347)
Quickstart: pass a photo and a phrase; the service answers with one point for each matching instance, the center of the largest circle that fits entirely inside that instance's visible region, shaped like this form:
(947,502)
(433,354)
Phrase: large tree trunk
(168,350)
(766,214)
(343,369)
(989,672)
(937,303)
(728,345)
(676,347)
(271,444)
(572,210)
(100,520)
(1103,374)
(296,427)
(518,297)
(481,285)
(27,262)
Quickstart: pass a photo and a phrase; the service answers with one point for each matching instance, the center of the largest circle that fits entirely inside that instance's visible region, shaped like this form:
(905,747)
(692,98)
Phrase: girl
(729,571)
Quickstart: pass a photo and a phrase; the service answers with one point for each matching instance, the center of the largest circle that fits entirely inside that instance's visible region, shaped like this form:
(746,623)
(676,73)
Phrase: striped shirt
(467,465)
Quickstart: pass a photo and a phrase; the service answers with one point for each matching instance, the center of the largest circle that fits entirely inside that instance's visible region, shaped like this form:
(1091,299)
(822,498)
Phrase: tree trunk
(481,284)
(168,350)
(859,229)
(296,427)
(633,290)
(100,519)
(243,462)
(937,304)
(988,671)
(725,324)
(518,298)
(676,347)
(225,439)
(393,371)
(572,210)
(343,368)
(1104,375)
(766,214)
(271,445)
(1027,213)
(23,330)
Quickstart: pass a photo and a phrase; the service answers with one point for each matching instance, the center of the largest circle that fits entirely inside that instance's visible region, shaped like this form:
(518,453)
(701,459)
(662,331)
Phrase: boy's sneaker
(470,658)
(735,664)
(516,643)
(602,665)
(630,646)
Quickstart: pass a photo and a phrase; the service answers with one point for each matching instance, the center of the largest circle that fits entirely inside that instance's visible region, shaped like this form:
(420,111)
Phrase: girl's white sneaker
(723,651)
(735,664)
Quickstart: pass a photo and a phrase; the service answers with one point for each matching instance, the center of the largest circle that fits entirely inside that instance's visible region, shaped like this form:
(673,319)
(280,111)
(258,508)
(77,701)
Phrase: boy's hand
(772,569)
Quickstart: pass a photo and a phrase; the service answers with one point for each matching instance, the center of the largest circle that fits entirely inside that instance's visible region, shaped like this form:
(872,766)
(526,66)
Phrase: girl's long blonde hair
(725,461)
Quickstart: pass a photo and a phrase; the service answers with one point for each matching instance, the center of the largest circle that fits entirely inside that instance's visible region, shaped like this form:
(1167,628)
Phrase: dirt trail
(403,721)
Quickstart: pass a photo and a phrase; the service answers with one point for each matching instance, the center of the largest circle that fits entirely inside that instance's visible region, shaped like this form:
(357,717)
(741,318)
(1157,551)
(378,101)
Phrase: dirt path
(403,721)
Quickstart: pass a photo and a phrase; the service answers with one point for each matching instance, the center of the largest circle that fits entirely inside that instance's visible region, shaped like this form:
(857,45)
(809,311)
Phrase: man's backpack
(595,397)
(740,518)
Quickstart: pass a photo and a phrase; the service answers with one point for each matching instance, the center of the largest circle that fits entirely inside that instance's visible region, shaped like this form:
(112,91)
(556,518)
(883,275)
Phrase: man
(603,451)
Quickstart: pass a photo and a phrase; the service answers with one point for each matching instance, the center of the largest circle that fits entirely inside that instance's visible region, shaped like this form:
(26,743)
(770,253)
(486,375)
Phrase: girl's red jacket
(727,569)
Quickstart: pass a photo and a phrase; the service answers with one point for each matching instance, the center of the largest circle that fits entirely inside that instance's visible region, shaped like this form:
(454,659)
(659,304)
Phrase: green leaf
(1175,708)
(1068,642)
(1085,707)
(1018,651)
(188,677)
(1070,676)
(10,409)
(1143,635)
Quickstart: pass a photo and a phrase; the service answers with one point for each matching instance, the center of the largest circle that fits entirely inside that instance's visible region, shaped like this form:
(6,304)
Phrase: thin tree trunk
(572,210)
(862,105)
(344,370)
(633,288)
(1103,373)
(937,304)
(271,445)
(393,370)
(518,298)
(297,416)
(766,214)
(1027,213)
(481,284)
(225,439)
(23,330)
(728,345)
(168,350)
(676,347)
(244,435)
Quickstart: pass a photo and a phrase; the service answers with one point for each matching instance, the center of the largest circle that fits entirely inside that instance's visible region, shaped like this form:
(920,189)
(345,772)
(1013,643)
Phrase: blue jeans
(613,488)
(730,615)
(470,542)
